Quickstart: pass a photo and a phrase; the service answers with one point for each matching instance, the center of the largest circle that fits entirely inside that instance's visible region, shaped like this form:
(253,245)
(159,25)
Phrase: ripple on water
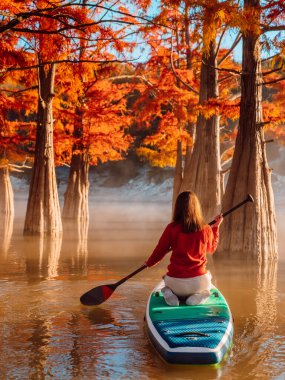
(47,334)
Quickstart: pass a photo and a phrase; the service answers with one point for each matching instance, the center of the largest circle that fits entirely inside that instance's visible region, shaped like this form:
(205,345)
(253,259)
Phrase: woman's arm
(213,238)
(162,248)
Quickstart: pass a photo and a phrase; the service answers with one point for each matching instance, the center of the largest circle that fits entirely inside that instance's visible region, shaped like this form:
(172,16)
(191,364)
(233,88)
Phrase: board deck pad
(200,334)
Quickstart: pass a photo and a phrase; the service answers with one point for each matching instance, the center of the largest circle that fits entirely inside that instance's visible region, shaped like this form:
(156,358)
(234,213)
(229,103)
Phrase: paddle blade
(97,295)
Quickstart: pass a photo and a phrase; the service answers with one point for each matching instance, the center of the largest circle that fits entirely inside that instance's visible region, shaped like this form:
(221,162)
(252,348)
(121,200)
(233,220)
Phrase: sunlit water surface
(47,334)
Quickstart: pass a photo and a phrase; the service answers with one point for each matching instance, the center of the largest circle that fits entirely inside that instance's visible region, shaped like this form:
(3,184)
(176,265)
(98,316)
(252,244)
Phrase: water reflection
(6,231)
(46,333)
(99,316)
(42,256)
(38,348)
(75,354)
(76,235)
(82,247)
(253,304)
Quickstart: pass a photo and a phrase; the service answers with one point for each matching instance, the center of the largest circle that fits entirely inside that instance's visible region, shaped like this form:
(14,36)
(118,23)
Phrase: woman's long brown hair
(188,212)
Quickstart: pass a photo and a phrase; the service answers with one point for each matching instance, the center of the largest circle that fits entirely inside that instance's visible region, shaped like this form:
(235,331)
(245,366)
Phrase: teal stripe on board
(193,333)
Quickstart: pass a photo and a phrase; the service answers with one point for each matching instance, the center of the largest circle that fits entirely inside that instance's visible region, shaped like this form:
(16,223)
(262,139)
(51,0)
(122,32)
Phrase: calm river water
(47,334)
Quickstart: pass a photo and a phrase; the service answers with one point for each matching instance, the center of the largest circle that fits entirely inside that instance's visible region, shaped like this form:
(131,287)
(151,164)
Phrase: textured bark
(43,211)
(202,173)
(76,196)
(6,194)
(250,232)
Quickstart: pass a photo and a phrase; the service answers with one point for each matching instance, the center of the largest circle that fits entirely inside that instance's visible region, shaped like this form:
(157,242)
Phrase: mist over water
(45,331)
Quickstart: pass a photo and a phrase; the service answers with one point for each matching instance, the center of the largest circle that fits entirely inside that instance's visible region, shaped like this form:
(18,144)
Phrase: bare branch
(175,73)
(261,124)
(271,71)
(136,17)
(21,16)
(267,141)
(220,41)
(273,28)
(236,41)
(272,81)
(15,169)
(226,78)
(66,61)
(69,27)
(14,92)
(126,77)
(223,69)
(19,166)
(269,58)
(64,164)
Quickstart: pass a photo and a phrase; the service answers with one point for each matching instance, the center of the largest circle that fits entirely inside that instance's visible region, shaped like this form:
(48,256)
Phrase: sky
(154,9)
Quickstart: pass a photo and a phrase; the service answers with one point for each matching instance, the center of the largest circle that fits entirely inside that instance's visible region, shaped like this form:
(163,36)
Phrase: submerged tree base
(6,193)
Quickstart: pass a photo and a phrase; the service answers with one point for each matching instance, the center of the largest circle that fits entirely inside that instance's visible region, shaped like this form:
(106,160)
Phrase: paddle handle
(131,275)
(248,199)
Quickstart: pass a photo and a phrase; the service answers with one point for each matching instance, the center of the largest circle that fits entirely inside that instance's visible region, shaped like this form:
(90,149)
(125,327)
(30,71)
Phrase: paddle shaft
(131,275)
(248,199)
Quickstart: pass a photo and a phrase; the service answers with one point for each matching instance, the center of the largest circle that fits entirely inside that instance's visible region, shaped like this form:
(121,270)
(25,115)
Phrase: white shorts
(185,286)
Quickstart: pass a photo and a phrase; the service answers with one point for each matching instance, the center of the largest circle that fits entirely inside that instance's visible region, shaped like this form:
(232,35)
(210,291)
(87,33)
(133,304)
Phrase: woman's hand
(218,220)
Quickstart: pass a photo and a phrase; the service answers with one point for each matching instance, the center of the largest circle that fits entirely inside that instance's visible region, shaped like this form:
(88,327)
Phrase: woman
(189,238)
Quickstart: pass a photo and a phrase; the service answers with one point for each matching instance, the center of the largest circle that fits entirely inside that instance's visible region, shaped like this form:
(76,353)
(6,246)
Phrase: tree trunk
(76,196)
(43,211)
(6,193)
(250,232)
(202,174)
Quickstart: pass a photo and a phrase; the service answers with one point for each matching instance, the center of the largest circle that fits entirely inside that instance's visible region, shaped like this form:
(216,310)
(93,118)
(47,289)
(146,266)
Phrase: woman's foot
(170,298)
(198,298)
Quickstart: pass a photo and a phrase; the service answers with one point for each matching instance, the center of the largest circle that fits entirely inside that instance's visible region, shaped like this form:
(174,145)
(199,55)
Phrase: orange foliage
(168,105)
(104,116)
(53,32)
(165,107)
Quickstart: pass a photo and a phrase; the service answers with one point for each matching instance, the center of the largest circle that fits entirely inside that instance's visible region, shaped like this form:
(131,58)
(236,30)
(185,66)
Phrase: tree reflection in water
(6,231)
(42,256)
(255,315)
(76,232)
(39,341)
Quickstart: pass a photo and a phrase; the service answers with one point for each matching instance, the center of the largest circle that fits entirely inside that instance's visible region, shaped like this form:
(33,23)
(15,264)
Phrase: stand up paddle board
(200,334)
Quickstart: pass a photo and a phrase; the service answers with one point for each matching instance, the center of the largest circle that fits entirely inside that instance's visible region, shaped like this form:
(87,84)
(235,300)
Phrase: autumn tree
(16,136)
(194,72)
(166,106)
(203,170)
(8,135)
(251,232)
(52,30)
(36,26)
(98,119)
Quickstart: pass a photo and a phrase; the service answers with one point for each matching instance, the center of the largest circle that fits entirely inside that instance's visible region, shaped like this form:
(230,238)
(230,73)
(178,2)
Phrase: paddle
(101,293)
